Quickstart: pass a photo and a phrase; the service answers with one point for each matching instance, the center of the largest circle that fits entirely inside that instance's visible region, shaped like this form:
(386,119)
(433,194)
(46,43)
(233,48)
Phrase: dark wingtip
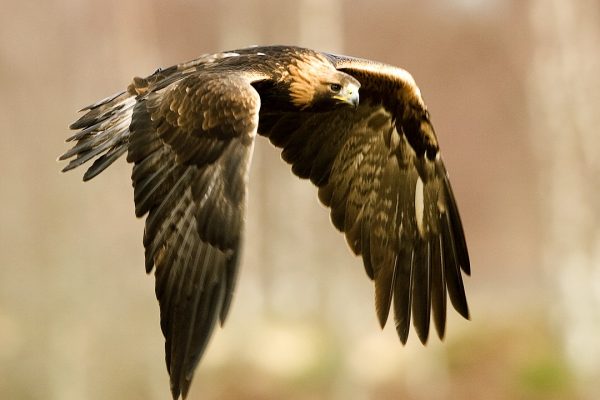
(466,313)
(68,167)
(466,267)
(403,330)
(422,327)
(180,386)
(461,306)
(384,284)
(382,316)
(89,174)
(185,388)
(423,335)
(441,331)
(175,392)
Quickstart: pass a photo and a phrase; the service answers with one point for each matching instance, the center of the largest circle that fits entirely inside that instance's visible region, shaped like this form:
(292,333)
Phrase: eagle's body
(189,130)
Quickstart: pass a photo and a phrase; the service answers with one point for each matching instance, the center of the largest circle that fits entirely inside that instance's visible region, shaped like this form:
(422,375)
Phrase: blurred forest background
(514,91)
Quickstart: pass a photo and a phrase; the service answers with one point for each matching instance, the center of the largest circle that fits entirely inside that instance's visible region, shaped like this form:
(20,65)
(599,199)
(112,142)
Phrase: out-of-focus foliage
(78,318)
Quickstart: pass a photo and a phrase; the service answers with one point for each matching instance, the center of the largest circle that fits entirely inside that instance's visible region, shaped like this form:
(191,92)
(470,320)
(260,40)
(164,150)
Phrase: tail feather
(104,161)
(99,110)
(104,134)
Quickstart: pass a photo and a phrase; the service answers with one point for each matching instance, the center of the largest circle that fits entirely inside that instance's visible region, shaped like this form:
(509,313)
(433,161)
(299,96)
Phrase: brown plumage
(189,131)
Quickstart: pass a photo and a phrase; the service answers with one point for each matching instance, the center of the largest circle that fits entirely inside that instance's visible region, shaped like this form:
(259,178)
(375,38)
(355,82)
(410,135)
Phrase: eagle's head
(317,86)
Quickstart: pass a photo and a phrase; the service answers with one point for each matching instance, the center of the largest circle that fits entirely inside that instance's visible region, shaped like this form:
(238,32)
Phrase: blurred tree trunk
(283,234)
(565,93)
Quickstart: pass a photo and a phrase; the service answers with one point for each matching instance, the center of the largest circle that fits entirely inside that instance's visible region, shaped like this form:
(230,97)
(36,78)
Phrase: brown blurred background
(514,91)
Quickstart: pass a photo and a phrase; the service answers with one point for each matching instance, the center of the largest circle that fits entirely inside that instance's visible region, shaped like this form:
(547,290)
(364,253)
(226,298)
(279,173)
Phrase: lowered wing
(190,137)
(378,168)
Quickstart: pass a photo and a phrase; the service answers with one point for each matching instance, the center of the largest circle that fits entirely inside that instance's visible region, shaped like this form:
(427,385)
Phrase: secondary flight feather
(357,129)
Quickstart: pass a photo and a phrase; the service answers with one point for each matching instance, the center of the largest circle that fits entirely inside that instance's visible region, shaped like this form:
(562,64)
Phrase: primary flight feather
(358,129)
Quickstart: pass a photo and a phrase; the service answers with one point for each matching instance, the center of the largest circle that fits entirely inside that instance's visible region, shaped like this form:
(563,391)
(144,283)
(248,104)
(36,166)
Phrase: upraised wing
(379,170)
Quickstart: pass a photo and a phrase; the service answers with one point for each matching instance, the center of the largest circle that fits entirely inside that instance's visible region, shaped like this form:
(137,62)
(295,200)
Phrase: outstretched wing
(378,169)
(191,145)
(190,136)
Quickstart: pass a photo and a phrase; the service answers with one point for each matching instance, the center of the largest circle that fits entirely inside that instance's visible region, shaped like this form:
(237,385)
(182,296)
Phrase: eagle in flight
(189,131)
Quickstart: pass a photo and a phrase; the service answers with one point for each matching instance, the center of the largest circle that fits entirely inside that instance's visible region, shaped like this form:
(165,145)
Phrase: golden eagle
(189,131)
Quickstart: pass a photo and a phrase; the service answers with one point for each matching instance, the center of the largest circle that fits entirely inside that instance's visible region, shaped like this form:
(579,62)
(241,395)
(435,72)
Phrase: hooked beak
(349,95)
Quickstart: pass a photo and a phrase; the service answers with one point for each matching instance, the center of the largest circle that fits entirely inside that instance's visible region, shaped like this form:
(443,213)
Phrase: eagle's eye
(335,87)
